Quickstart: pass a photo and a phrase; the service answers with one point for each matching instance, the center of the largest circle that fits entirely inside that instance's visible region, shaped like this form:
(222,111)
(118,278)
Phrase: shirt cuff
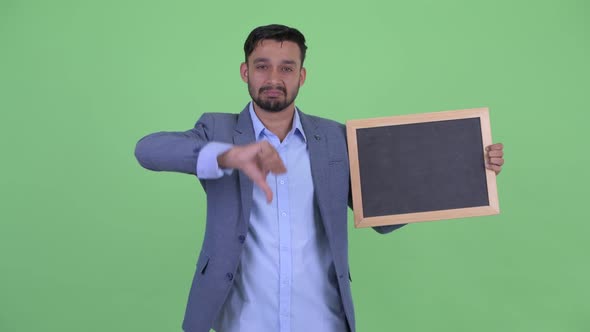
(207,166)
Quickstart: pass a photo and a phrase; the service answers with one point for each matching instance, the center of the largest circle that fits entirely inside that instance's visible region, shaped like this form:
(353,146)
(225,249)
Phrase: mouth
(272,91)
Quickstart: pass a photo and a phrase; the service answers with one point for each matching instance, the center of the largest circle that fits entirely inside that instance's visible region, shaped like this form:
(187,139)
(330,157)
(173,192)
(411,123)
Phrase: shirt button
(284,214)
(341,276)
(241,238)
(229,276)
(282,181)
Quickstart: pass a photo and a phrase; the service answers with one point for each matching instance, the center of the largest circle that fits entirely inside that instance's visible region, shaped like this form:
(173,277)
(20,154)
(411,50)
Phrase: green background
(90,241)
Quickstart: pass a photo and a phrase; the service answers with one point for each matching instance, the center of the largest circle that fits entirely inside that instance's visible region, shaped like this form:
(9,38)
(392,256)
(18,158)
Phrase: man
(275,251)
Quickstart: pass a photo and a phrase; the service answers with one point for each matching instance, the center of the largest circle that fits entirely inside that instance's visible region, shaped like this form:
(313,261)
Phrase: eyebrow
(285,62)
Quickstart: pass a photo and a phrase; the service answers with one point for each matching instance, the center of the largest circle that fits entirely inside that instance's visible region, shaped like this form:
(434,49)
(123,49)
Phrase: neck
(279,123)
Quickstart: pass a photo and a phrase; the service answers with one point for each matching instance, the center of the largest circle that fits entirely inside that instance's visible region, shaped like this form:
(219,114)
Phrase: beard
(273,105)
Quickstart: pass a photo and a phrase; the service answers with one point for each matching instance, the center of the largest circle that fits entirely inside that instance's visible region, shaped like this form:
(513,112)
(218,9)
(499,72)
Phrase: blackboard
(421,167)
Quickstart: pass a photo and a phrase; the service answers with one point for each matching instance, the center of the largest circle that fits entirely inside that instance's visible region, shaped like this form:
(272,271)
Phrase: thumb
(261,183)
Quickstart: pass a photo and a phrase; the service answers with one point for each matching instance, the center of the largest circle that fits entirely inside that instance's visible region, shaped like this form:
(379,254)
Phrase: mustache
(273,87)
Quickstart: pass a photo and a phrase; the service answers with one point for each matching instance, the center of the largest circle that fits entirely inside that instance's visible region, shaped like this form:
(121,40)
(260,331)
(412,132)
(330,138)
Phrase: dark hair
(275,32)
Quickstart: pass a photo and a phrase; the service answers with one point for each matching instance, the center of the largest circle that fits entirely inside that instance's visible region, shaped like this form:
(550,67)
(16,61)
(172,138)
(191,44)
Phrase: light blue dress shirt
(286,280)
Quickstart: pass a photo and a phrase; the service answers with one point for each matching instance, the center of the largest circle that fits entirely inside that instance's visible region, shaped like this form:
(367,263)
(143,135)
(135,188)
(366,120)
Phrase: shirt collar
(260,130)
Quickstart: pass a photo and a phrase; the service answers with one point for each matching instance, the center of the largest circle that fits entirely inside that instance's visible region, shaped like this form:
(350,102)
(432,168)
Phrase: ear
(302,76)
(244,72)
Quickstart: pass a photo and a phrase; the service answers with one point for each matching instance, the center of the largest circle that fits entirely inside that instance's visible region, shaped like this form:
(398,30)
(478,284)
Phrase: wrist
(223,160)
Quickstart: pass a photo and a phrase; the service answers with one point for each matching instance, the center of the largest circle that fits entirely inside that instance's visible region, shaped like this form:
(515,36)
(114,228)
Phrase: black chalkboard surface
(421,167)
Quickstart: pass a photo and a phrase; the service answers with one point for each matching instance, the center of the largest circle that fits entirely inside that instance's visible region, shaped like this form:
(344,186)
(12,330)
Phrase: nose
(274,75)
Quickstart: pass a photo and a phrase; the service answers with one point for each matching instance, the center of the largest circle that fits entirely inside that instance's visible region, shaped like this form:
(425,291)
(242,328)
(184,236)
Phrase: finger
(496,153)
(494,168)
(266,149)
(496,161)
(259,179)
(267,191)
(262,167)
(277,166)
(274,167)
(497,146)
(270,160)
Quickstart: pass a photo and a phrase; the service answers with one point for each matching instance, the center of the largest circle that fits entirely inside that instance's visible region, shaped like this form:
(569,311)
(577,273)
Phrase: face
(274,74)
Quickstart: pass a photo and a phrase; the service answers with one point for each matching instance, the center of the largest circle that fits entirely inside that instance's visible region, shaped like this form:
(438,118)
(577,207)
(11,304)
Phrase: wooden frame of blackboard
(360,218)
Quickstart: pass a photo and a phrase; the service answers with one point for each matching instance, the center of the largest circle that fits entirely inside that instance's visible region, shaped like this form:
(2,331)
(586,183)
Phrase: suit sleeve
(175,151)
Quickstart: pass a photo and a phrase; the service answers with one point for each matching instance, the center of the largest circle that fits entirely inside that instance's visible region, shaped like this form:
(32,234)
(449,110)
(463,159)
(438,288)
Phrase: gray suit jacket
(229,200)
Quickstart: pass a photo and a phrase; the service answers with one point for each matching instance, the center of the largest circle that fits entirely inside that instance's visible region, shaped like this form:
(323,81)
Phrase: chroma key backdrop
(90,241)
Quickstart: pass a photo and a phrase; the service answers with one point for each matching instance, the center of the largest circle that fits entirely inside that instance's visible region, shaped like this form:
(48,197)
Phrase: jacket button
(242,238)
(229,276)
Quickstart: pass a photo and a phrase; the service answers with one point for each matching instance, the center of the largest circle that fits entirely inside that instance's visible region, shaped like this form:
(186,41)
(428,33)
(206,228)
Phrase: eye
(261,67)
(287,69)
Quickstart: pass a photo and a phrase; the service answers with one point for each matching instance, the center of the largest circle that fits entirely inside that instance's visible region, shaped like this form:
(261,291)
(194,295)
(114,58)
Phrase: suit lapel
(318,156)
(244,134)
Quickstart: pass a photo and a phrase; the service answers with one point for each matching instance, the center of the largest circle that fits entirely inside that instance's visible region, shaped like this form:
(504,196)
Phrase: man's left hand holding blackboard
(495,157)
